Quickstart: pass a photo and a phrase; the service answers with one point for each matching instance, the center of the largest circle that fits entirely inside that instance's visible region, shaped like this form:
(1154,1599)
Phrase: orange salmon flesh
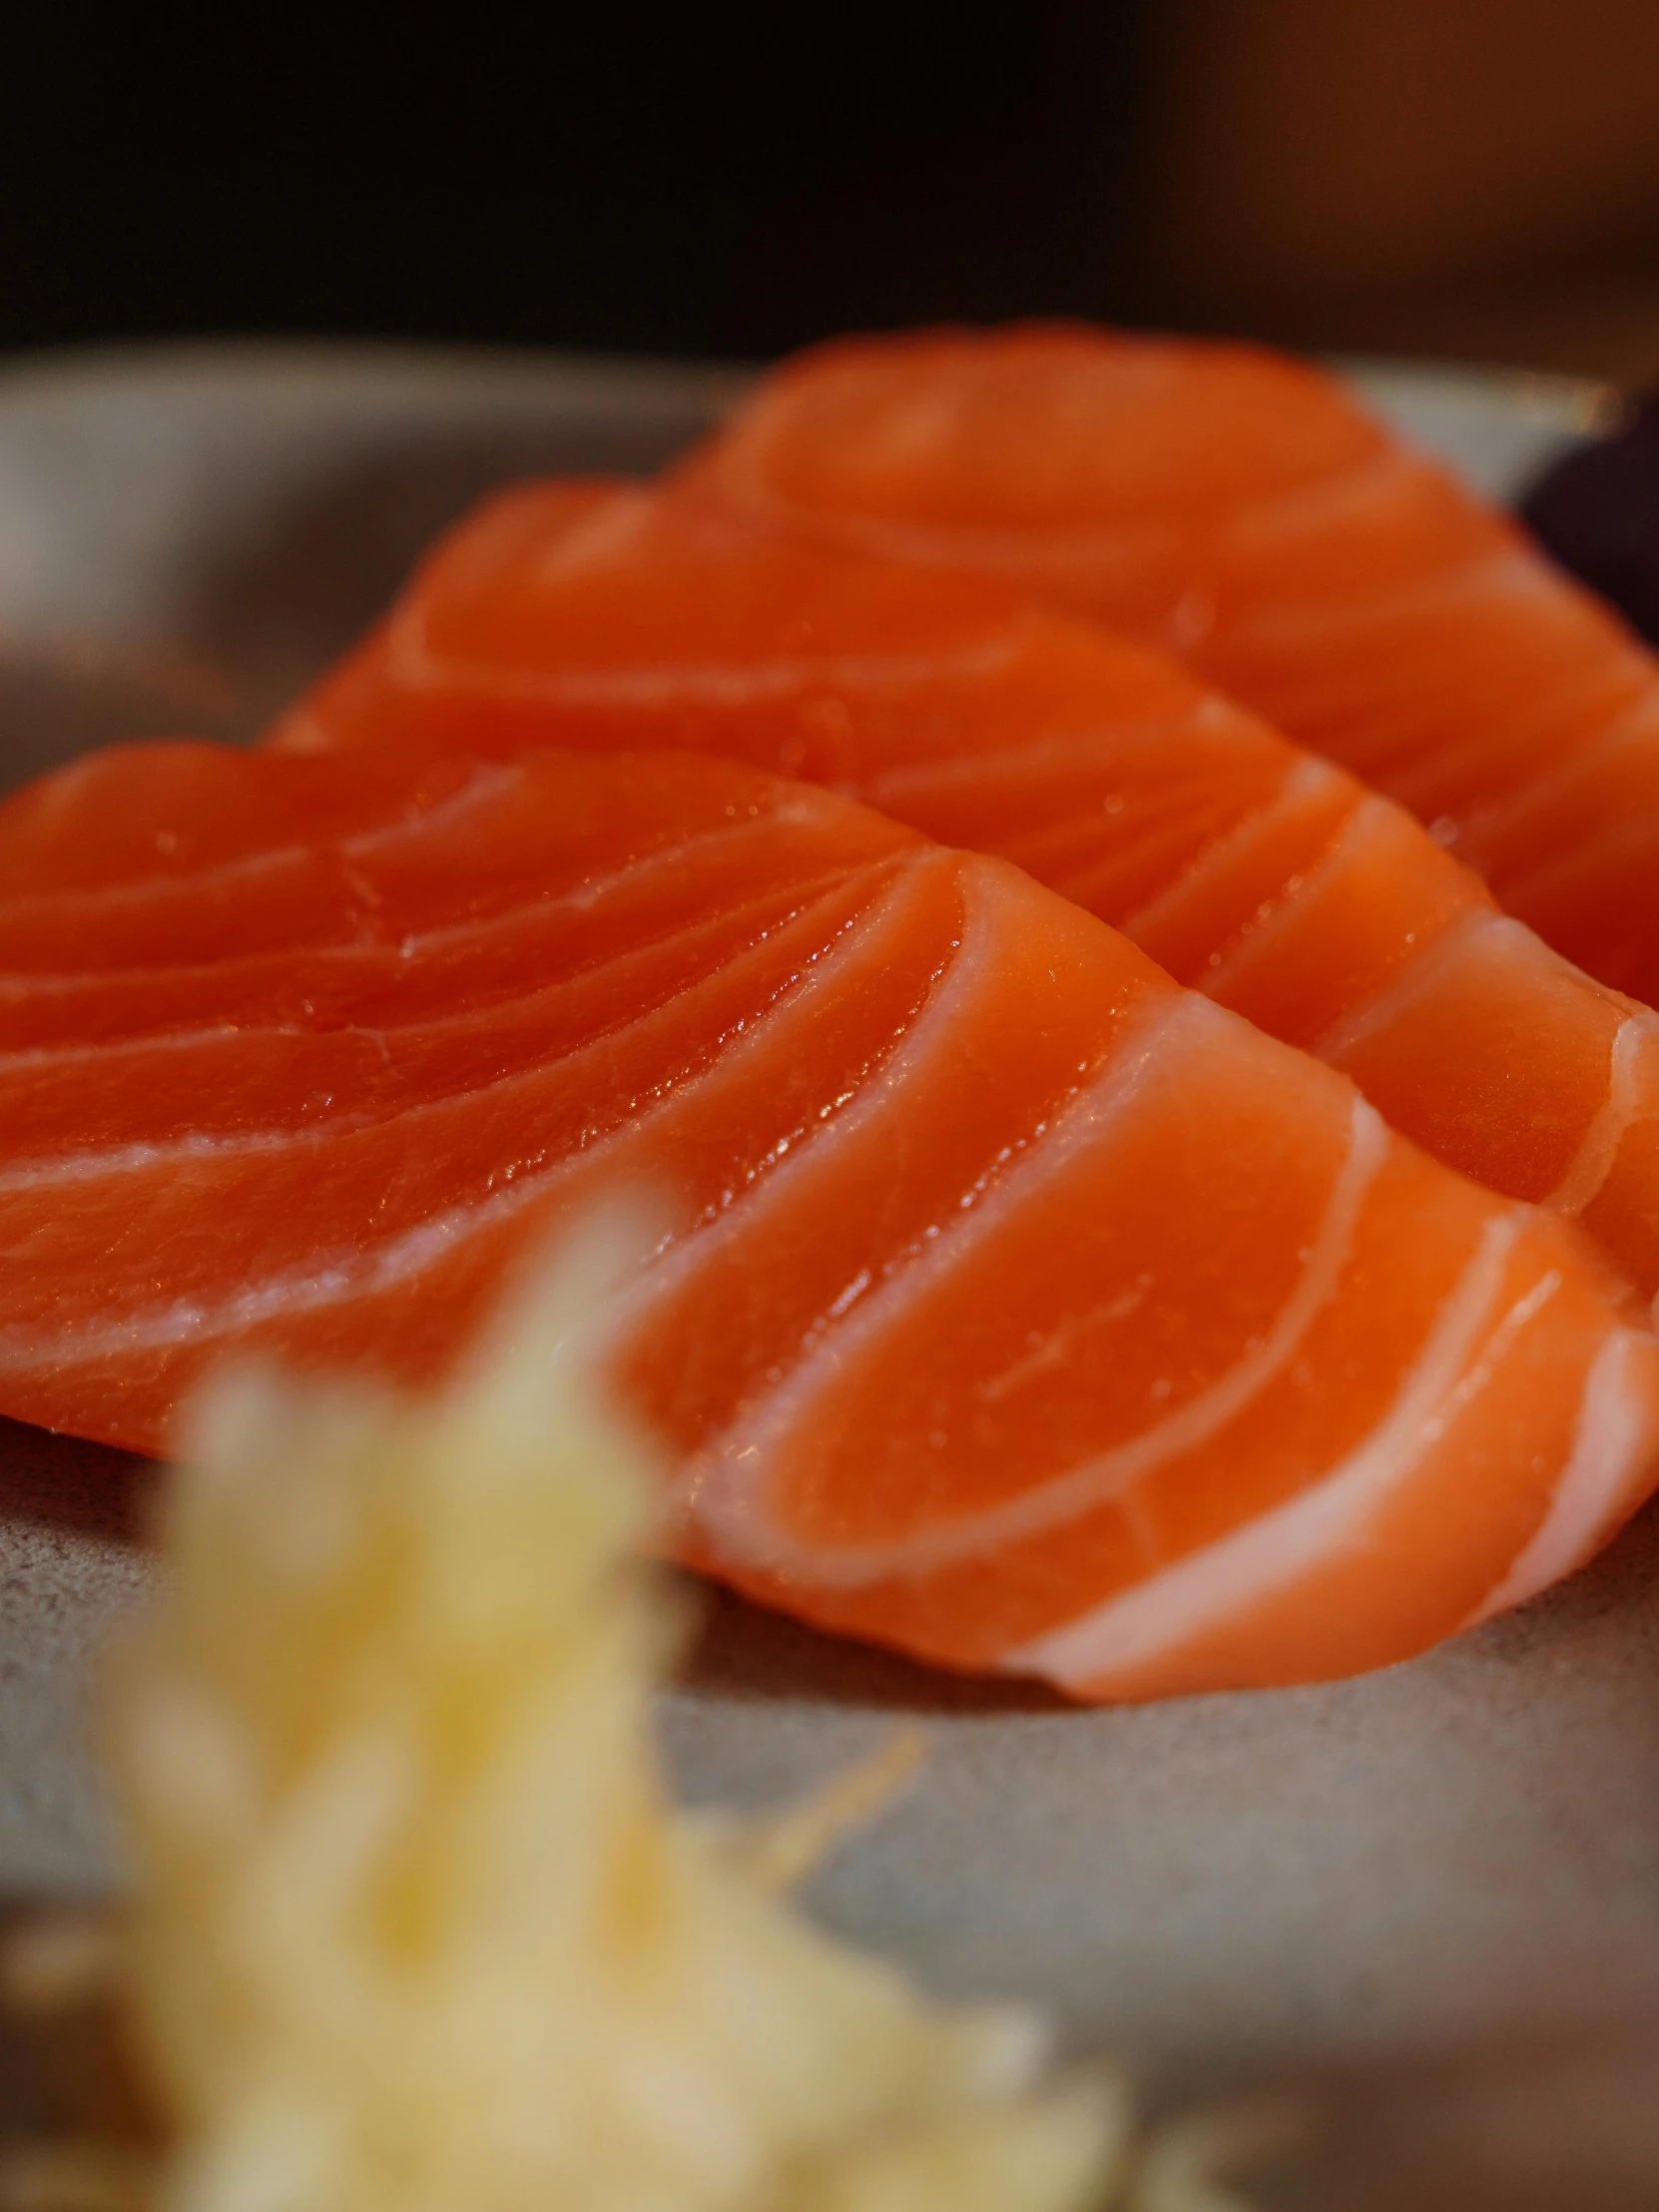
(1014,1305)
(611,618)
(1243,511)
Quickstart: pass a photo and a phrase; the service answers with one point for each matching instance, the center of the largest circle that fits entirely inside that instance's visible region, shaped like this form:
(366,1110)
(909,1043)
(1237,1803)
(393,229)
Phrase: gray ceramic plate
(1433,1893)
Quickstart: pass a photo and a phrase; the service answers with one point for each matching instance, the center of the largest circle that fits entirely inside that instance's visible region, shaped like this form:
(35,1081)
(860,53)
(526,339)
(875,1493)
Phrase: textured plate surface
(1434,1891)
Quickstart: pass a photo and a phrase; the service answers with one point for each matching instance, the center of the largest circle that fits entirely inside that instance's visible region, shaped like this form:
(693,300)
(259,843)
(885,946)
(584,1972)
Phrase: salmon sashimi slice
(1012,1305)
(606,616)
(1240,510)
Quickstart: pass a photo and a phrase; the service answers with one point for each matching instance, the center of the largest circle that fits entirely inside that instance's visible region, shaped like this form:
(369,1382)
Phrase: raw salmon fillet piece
(1240,510)
(606,616)
(1015,1305)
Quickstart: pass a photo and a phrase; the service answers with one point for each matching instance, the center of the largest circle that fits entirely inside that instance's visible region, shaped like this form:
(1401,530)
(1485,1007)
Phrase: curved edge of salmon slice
(608,616)
(1246,512)
(1015,1305)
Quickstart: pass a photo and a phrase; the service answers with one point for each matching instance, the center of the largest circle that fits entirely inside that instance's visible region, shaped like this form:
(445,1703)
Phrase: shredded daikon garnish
(417,1929)
(414,1926)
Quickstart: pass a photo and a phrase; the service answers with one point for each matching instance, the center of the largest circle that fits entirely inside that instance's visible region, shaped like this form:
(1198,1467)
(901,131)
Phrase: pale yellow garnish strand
(415,1927)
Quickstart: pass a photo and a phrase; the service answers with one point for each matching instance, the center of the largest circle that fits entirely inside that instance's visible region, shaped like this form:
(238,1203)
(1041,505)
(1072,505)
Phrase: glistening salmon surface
(1243,511)
(611,617)
(1013,1304)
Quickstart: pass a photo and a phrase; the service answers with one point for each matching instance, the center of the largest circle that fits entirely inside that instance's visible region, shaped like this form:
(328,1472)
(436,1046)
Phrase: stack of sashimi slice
(1049,1275)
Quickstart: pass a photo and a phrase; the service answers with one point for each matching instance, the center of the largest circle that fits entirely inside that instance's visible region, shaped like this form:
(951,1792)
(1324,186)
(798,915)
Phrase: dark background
(687,180)
(1476,177)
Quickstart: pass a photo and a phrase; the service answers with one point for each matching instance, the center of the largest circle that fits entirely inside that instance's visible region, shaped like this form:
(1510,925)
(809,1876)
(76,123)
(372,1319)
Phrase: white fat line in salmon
(877,1110)
(489,783)
(741,473)
(1256,945)
(414,665)
(729,1479)
(1433,774)
(1268,1556)
(410,1035)
(758,825)
(302,731)
(1389,731)
(1315,623)
(1581,690)
(1560,779)
(1415,982)
(19,986)
(1270,522)
(483,787)
(1051,854)
(1614,1434)
(1185,814)
(1592,1163)
(116,1161)
(331,1280)
(316,965)
(583,898)
(1100,880)
(46,906)
(1307,779)
(30,1059)
(611,527)
(1631,837)
(27,1177)
(347,1278)
(1032,758)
